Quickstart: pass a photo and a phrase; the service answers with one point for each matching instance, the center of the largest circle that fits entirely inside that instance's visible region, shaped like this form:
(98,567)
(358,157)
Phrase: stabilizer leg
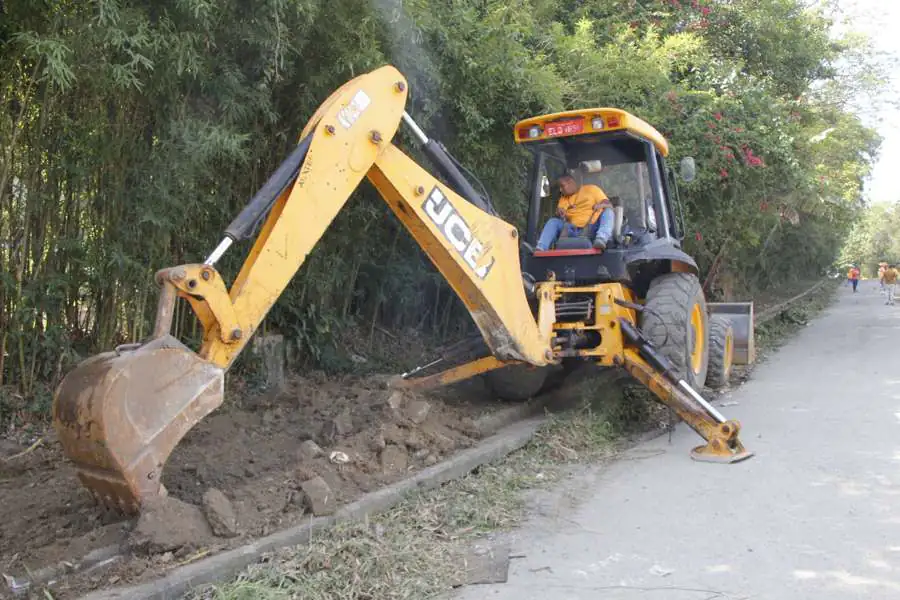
(721,435)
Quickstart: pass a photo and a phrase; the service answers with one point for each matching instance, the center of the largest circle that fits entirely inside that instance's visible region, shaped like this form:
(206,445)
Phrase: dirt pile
(168,524)
(255,466)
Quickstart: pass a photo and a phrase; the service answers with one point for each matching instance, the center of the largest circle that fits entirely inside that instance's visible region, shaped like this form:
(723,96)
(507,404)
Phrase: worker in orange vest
(853,276)
(890,283)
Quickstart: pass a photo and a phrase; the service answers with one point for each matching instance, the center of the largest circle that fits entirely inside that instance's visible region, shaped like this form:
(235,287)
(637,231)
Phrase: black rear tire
(675,320)
(517,383)
(721,352)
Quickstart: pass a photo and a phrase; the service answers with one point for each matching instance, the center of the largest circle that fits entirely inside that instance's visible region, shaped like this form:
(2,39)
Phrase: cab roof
(587,121)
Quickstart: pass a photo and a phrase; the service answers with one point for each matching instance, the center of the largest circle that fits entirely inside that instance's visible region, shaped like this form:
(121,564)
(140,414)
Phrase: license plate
(570,127)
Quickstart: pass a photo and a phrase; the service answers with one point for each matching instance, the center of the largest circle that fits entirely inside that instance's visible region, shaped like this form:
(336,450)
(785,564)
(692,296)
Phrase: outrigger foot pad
(723,446)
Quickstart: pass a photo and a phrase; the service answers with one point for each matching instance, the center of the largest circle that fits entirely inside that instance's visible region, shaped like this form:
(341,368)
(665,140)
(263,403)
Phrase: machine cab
(626,158)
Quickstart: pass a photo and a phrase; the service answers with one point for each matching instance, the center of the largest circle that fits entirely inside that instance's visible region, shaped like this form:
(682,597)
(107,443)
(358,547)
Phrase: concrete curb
(228,564)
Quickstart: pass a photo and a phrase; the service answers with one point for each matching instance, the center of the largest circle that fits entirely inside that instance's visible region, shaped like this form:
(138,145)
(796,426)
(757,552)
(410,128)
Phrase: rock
(310,450)
(220,513)
(366,483)
(377,442)
(168,524)
(443,443)
(417,411)
(318,497)
(304,473)
(431,460)
(415,440)
(338,427)
(394,434)
(395,401)
(394,460)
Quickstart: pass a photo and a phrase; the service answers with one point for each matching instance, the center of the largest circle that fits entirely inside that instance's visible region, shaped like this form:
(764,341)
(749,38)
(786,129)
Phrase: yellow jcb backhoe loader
(638,305)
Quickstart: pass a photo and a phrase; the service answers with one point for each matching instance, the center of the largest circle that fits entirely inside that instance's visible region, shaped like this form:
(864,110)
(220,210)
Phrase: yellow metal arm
(476,252)
(722,441)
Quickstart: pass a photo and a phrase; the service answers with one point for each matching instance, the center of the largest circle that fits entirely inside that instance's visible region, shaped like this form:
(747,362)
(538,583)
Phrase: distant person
(581,209)
(853,277)
(882,267)
(890,282)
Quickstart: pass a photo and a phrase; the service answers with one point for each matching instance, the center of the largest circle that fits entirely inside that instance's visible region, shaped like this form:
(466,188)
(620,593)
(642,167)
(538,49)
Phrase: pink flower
(723,173)
(698,236)
(705,10)
(718,116)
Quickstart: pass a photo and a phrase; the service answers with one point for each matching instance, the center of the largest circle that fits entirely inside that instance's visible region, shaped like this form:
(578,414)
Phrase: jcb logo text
(452,225)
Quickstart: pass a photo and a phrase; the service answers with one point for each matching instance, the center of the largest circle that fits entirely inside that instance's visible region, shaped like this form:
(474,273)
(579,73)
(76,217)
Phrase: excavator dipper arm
(120,414)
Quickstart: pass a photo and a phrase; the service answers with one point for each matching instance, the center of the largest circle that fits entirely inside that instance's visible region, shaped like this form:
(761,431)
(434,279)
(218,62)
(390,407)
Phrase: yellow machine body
(119,415)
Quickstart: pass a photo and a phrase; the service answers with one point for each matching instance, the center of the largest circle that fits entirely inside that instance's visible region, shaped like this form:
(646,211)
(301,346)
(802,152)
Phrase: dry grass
(412,551)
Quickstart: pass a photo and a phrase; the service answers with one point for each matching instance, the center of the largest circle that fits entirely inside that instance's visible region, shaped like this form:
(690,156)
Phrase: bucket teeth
(119,415)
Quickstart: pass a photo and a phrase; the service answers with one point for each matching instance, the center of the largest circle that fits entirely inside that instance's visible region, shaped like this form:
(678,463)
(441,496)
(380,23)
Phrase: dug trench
(252,468)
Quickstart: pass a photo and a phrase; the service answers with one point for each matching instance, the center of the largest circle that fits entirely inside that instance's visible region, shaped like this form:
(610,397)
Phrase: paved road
(815,515)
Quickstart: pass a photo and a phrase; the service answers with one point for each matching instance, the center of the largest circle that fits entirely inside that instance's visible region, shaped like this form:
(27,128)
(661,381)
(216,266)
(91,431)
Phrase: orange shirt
(890,276)
(853,274)
(579,206)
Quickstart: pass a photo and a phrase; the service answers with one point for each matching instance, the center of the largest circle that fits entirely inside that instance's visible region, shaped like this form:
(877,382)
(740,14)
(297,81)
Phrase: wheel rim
(696,338)
(729,351)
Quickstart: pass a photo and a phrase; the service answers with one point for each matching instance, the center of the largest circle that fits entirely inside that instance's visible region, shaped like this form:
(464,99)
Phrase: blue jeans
(601,230)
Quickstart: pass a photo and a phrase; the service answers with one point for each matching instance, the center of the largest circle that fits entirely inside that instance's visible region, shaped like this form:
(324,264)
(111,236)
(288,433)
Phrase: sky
(880,20)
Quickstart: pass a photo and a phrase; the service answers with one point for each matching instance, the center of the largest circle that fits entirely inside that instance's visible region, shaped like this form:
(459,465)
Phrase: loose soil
(249,450)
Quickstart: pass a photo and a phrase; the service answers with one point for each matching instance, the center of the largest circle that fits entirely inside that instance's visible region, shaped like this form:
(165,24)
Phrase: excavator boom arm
(475,251)
(118,422)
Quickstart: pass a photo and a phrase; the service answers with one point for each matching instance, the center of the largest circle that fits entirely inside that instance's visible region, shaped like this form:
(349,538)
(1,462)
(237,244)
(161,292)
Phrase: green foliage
(132,131)
(873,239)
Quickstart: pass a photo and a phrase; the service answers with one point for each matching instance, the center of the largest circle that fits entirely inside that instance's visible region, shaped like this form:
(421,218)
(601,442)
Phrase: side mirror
(688,169)
(545,187)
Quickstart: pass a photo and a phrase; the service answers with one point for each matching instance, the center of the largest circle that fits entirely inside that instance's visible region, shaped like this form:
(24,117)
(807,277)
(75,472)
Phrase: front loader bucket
(740,314)
(120,414)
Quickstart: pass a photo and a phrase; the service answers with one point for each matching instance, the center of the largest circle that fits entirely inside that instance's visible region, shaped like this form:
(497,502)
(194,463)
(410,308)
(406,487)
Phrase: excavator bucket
(120,414)
(740,314)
